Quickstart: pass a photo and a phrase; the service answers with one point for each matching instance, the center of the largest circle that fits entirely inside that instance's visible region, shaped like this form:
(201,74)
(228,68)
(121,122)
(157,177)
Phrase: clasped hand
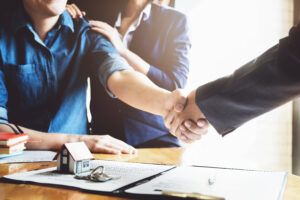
(184,119)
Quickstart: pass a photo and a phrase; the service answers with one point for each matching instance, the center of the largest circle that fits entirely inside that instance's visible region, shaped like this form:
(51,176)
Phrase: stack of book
(12,144)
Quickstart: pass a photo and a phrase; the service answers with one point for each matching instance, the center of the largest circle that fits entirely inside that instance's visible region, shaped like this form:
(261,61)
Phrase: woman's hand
(74,11)
(111,34)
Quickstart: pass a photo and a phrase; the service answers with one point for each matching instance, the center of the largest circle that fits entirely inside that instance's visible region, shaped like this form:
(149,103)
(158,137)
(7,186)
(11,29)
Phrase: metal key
(82,177)
(97,175)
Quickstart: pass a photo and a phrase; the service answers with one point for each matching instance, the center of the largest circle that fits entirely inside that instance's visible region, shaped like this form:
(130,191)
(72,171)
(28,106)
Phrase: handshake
(184,118)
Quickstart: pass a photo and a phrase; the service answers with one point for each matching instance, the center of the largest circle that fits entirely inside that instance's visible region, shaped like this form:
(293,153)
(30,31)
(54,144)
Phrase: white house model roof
(79,151)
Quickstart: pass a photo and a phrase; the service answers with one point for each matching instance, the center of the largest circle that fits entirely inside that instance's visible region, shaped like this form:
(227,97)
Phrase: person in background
(45,60)
(155,41)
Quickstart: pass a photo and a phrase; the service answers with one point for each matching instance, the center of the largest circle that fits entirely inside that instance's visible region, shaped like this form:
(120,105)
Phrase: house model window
(74,158)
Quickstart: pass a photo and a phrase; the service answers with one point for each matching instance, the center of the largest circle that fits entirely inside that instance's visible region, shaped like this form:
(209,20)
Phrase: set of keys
(97,175)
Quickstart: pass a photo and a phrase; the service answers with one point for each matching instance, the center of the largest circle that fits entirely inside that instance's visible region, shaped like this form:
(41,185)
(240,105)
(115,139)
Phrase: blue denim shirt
(43,84)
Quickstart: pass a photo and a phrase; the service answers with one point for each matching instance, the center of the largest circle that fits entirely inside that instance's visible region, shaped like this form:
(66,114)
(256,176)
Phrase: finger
(202,123)
(187,135)
(104,149)
(180,104)
(175,124)
(83,13)
(102,25)
(71,12)
(183,137)
(124,146)
(175,130)
(77,10)
(187,140)
(180,136)
(168,119)
(199,128)
(191,136)
(102,31)
(183,128)
(117,148)
(97,23)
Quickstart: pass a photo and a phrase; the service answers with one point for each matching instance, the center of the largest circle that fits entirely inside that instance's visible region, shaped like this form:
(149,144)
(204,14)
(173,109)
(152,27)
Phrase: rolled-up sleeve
(110,65)
(3,96)
(104,59)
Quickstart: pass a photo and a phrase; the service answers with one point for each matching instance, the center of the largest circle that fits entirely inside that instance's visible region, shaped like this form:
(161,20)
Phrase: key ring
(94,171)
(97,175)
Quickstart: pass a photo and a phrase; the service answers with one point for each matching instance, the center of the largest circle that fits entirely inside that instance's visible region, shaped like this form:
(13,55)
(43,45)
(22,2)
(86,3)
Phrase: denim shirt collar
(21,19)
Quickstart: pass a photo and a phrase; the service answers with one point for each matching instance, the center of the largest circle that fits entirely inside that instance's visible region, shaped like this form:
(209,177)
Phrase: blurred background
(226,35)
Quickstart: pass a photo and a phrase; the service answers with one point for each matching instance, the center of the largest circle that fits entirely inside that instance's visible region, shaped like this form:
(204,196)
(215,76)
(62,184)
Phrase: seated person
(45,59)
(154,40)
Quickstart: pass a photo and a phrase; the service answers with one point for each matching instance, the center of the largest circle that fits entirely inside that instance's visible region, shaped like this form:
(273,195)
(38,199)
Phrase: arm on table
(54,141)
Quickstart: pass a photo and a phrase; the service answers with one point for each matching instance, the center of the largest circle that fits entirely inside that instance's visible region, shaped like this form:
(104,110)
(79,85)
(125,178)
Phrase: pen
(191,195)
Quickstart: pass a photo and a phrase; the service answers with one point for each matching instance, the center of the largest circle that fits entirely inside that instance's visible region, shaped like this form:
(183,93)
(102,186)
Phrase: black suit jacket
(266,82)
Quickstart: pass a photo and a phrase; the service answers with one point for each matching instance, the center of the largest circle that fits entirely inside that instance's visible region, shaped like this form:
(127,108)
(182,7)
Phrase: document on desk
(30,156)
(128,173)
(231,184)
(151,179)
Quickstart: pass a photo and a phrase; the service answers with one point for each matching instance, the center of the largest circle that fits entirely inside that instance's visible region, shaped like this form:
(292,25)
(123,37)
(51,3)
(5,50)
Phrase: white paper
(230,184)
(128,172)
(30,156)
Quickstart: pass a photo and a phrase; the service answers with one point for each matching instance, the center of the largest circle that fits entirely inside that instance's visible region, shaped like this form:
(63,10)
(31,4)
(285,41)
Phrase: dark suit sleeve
(175,74)
(258,87)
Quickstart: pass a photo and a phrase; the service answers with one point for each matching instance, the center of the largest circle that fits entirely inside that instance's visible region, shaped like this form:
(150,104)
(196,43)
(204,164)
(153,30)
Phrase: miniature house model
(74,158)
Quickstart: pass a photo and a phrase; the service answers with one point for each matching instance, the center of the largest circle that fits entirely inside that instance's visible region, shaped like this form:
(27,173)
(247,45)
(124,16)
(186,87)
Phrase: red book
(10,139)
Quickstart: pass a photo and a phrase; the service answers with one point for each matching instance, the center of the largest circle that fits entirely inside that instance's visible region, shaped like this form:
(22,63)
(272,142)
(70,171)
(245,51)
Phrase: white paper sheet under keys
(128,172)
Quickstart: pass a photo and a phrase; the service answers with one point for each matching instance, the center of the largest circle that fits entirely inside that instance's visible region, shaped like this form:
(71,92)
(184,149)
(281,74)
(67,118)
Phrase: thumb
(180,104)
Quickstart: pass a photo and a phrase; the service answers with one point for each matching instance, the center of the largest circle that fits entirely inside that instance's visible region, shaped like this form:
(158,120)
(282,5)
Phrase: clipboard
(150,181)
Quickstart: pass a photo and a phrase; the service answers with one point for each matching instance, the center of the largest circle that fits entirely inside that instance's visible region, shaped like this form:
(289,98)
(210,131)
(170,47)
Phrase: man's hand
(174,103)
(181,122)
(107,144)
(74,11)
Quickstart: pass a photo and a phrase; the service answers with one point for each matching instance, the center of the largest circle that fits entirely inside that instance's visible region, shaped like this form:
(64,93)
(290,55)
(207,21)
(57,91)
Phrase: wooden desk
(171,156)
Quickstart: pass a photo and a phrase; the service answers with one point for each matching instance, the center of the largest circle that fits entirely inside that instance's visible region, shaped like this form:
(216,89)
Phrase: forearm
(42,140)
(138,91)
(54,141)
(136,62)
(258,87)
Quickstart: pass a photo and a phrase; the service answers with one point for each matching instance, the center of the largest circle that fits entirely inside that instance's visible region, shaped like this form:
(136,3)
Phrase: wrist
(166,103)
(124,52)
(73,138)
